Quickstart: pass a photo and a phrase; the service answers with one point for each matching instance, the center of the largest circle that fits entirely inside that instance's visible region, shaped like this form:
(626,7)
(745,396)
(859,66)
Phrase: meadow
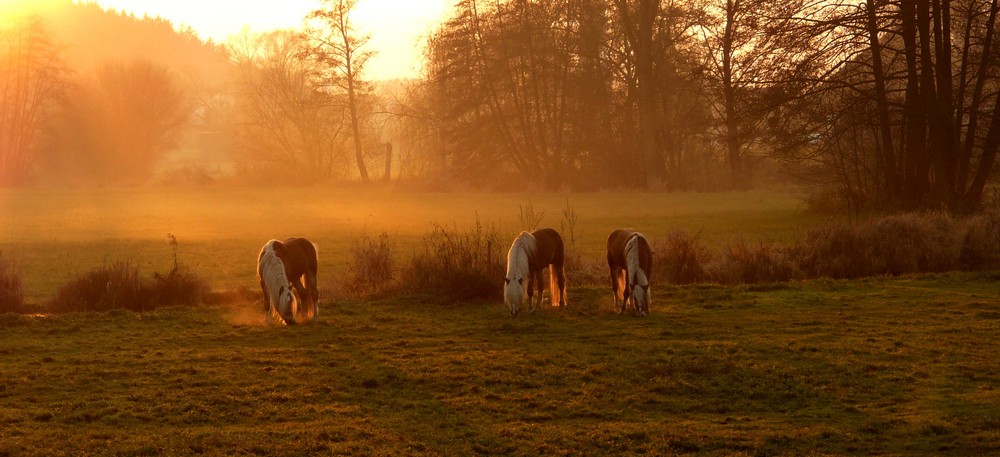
(54,235)
(889,366)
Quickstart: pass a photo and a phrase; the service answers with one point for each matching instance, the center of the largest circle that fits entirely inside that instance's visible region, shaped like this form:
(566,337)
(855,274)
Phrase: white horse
(630,260)
(274,284)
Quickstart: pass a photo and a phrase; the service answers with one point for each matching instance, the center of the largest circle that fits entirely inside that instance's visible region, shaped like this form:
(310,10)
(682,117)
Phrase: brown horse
(631,263)
(528,256)
(301,263)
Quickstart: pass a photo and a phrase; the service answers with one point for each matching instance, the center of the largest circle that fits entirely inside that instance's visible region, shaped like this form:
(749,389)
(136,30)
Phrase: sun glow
(14,9)
(397,28)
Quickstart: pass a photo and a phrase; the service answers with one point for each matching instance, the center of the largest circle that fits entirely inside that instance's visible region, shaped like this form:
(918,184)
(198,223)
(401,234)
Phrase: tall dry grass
(889,245)
(458,264)
(370,268)
(121,286)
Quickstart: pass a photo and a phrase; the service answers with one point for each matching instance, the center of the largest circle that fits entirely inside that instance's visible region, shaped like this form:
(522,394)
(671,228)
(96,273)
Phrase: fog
(862,107)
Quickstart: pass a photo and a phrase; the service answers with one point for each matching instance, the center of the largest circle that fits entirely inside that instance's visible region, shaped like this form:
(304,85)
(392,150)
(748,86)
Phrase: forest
(872,104)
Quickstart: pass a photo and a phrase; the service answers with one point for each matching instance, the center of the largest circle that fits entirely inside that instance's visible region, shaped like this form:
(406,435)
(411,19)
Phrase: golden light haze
(397,28)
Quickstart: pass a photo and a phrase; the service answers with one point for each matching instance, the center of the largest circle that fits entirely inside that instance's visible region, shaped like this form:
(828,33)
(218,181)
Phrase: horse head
(286,304)
(640,293)
(514,294)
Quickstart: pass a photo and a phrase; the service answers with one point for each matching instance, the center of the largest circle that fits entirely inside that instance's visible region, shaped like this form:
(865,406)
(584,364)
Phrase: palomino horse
(631,262)
(528,256)
(274,284)
(299,259)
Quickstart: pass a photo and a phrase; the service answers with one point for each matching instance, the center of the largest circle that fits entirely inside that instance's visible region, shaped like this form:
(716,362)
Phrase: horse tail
(557,273)
(311,278)
(557,284)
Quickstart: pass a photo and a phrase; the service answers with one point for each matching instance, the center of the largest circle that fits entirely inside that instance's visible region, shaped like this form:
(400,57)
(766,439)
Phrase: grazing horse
(528,256)
(299,260)
(631,262)
(301,263)
(274,284)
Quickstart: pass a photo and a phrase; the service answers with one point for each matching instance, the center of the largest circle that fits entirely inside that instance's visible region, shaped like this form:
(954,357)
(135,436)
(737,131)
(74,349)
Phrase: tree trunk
(651,158)
(888,154)
(737,169)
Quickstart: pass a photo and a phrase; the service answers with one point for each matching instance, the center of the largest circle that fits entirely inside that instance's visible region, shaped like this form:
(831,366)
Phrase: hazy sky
(398,28)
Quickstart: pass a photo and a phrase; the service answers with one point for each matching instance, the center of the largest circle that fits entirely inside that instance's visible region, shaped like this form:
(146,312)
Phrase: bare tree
(32,78)
(340,48)
(748,49)
(918,79)
(638,19)
(281,117)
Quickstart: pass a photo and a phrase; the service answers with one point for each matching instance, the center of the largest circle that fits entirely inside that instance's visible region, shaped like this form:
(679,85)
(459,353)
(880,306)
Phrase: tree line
(883,103)
(875,103)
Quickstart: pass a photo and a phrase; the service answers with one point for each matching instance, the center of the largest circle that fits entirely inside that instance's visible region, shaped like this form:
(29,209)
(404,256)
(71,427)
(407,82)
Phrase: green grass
(903,366)
(54,235)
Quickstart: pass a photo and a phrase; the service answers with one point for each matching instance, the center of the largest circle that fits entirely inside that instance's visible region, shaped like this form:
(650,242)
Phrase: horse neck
(633,258)
(519,259)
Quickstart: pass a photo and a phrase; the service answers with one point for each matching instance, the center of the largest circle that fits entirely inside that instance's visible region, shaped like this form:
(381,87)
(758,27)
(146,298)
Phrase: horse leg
(614,283)
(560,282)
(314,290)
(626,295)
(531,291)
(540,284)
(303,296)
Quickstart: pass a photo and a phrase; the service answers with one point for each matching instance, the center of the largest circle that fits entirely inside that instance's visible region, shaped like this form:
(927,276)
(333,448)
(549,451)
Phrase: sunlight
(11,10)
(397,29)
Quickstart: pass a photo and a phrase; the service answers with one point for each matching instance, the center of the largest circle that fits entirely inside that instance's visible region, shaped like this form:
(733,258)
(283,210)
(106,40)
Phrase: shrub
(179,287)
(369,268)
(120,286)
(911,243)
(981,245)
(459,265)
(837,251)
(744,263)
(528,218)
(679,259)
(108,287)
(900,244)
(11,295)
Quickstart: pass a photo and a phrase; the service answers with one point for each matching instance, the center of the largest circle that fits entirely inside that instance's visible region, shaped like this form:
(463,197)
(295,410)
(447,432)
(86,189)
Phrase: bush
(981,245)
(679,259)
(837,251)
(458,265)
(179,287)
(370,267)
(11,295)
(105,288)
(912,243)
(743,263)
(890,245)
(120,286)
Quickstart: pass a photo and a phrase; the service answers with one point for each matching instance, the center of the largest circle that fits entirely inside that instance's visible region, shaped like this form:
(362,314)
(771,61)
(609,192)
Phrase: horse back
(549,249)
(617,242)
(299,255)
(616,247)
(645,256)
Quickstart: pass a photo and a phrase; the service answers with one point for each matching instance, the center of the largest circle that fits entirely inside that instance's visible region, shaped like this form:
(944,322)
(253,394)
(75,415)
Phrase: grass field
(900,366)
(56,234)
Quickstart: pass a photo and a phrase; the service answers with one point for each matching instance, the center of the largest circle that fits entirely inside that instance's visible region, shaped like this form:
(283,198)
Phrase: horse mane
(632,259)
(271,270)
(518,258)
